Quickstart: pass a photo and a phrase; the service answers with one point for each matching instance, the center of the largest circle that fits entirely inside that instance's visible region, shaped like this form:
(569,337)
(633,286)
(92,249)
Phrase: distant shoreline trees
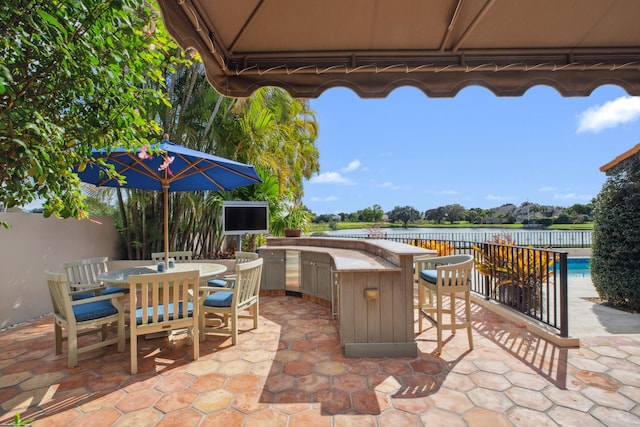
(526,213)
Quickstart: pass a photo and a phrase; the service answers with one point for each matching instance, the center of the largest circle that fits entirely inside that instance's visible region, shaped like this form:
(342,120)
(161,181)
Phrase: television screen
(245,218)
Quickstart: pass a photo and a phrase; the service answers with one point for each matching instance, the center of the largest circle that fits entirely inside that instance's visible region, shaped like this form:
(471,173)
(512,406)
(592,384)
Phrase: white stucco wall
(35,244)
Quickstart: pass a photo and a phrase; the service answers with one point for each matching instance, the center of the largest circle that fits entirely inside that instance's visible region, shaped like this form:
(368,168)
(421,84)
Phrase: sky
(476,149)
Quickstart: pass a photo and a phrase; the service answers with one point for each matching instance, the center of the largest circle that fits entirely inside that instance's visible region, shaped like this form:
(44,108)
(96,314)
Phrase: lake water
(522,237)
(425,230)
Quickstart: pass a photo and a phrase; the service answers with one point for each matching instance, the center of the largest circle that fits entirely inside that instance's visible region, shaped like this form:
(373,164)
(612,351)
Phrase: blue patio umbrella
(169,167)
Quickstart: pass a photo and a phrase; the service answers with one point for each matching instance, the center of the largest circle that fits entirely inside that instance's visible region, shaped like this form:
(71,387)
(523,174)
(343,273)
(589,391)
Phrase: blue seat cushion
(83,295)
(114,290)
(93,310)
(429,276)
(219,283)
(149,311)
(219,299)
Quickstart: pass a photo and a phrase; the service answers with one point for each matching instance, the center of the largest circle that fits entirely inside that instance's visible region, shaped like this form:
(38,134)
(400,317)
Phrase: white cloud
(355,164)
(330,178)
(389,186)
(445,192)
(546,189)
(610,114)
(324,199)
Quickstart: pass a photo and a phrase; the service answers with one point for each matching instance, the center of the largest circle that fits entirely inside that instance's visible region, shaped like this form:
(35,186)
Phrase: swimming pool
(578,267)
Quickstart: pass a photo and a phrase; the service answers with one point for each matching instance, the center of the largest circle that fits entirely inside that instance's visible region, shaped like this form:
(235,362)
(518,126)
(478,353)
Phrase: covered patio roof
(437,46)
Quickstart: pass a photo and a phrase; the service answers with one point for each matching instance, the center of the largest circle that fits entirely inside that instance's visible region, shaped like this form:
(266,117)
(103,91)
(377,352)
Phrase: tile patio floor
(291,372)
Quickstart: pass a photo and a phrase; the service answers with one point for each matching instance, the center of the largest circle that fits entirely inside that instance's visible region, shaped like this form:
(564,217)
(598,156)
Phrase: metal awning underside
(437,46)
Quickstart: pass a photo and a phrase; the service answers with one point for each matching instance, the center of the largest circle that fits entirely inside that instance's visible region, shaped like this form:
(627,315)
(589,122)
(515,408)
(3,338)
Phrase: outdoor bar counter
(368,283)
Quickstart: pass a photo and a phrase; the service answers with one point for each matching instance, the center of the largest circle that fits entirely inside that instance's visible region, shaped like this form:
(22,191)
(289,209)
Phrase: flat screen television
(245,217)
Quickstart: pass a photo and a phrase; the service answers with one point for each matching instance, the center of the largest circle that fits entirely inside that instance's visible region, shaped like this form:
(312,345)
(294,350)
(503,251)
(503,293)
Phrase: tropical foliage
(74,75)
(443,247)
(293,216)
(616,237)
(517,273)
(270,130)
(82,74)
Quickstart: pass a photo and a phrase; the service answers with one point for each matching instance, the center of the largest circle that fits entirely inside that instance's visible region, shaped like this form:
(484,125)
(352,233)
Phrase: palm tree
(277,133)
(270,129)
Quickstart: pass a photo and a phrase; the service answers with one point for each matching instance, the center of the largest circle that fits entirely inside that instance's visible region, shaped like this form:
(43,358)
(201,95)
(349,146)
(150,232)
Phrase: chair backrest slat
(59,291)
(453,272)
(247,282)
(456,275)
(157,292)
(242,257)
(85,271)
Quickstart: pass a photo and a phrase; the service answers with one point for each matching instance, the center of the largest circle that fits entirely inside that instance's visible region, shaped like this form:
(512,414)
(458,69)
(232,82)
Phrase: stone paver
(292,371)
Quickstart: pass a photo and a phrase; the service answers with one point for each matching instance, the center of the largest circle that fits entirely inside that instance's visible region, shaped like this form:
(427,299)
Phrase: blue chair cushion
(429,276)
(219,299)
(93,310)
(218,283)
(114,290)
(83,295)
(149,310)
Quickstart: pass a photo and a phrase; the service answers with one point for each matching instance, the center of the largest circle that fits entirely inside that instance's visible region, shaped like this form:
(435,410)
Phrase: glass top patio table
(207,271)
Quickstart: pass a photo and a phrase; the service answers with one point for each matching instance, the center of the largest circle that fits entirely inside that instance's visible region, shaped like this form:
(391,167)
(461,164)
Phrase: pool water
(578,267)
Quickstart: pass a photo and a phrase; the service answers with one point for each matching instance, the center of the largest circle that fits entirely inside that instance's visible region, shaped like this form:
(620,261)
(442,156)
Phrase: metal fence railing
(532,281)
(536,238)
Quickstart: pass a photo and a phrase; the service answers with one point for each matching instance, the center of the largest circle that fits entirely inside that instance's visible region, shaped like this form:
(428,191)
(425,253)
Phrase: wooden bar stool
(440,276)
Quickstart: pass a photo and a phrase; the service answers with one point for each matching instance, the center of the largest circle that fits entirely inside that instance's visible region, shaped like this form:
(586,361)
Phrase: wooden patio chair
(83,274)
(84,316)
(447,275)
(162,303)
(229,280)
(226,304)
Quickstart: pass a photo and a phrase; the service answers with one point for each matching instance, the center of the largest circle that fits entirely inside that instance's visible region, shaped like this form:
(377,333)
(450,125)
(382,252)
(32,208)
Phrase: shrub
(442,247)
(615,269)
(517,273)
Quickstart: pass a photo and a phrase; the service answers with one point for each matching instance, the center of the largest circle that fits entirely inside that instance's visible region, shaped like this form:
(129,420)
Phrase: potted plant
(292,221)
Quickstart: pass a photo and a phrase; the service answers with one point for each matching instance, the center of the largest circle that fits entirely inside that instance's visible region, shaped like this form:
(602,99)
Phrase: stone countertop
(351,254)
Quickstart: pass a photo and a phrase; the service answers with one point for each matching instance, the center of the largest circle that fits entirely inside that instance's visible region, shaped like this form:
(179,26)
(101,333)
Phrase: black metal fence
(529,280)
(536,238)
(532,281)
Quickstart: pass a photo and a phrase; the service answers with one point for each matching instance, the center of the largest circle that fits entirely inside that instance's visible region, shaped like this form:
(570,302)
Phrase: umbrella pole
(165,189)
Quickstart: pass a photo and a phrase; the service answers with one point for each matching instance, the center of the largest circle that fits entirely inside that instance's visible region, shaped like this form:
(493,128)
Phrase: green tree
(563,219)
(75,75)
(437,214)
(404,214)
(324,218)
(270,130)
(454,212)
(378,213)
(580,213)
(476,215)
(370,214)
(616,236)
